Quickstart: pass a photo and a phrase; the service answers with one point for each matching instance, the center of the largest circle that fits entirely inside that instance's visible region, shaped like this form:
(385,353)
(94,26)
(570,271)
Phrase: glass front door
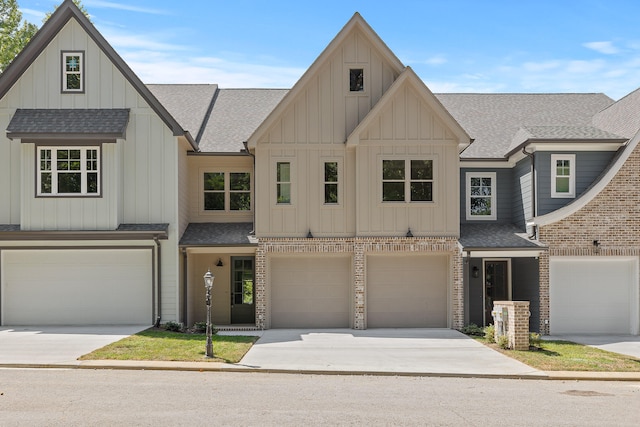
(496,286)
(242,291)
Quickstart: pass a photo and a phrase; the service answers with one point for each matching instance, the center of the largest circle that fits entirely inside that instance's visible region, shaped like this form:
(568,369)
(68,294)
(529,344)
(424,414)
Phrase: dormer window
(356,80)
(73,72)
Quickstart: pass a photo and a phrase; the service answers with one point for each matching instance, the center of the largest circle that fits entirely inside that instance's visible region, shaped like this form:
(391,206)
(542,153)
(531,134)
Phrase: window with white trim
(563,176)
(481,195)
(227,191)
(283,183)
(330,183)
(72,71)
(68,171)
(407,180)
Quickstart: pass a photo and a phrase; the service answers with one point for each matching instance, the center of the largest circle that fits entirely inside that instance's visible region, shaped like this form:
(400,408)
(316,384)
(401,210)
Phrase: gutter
(246,148)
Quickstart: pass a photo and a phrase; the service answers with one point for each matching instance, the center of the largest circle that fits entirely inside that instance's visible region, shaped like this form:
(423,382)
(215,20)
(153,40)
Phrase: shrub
(200,327)
(535,339)
(503,342)
(472,329)
(173,326)
(490,333)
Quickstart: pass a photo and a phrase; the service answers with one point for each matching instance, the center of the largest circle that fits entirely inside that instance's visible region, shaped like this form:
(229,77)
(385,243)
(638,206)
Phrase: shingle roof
(144,227)
(68,122)
(9,227)
(218,234)
(623,117)
(561,133)
(236,114)
(188,103)
(493,120)
(494,236)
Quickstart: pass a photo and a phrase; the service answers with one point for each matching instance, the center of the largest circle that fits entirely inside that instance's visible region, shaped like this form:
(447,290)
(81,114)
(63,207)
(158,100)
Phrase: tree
(14,32)
(77,3)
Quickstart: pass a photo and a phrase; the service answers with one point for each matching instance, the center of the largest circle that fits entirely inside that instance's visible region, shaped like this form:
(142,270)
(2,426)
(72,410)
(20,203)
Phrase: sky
(521,46)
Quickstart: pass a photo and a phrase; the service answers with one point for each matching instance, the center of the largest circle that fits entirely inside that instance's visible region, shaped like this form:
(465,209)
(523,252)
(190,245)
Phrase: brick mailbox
(511,318)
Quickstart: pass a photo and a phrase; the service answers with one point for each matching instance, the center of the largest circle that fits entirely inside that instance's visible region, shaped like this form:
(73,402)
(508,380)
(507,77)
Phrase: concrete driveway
(623,344)
(56,345)
(425,351)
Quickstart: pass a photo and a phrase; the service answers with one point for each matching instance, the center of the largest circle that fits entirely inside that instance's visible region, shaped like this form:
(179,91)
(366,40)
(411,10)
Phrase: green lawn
(569,356)
(153,344)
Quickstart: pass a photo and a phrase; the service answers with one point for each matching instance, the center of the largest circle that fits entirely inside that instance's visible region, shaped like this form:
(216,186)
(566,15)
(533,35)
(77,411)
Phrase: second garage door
(310,292)
(407,291)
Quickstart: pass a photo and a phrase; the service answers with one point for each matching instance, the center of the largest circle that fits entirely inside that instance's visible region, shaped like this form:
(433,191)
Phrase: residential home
(356,199)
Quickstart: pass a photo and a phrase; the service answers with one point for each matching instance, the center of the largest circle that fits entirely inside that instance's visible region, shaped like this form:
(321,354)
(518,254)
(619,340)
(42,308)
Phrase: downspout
(533,189)
(159,280)
(185,277)
(246,148)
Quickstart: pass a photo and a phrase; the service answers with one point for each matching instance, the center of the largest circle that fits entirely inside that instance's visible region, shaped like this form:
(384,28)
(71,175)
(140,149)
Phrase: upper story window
(481,195)
(407,180)
(72,71)
(68,171)
(331,183)
(283,182)
(356,80)
(227,191)
(563,176)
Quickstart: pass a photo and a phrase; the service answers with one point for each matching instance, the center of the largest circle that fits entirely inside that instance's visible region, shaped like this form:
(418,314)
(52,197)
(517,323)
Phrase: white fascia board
(523,253)
(573,146)
(489,164)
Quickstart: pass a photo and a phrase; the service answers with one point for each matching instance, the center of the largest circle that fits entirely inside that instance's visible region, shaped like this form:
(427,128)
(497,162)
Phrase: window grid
(72,71)
(68,171)
(331,183)
(283,183)
(417,186)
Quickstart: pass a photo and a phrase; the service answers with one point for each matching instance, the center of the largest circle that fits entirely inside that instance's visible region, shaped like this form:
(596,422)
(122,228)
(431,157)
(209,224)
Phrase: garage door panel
(407,291)
(310,292)
(71,287)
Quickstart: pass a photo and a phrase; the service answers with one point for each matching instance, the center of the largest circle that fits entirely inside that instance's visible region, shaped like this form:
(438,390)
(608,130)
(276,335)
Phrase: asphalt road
(49,397)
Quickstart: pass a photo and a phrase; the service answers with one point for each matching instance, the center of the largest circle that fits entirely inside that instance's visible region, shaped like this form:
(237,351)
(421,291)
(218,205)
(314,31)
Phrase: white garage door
(593,295)
(71,287)
(408,291)
(310,292)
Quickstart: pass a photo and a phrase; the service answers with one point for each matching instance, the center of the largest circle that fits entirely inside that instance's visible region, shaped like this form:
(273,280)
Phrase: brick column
(458,290)
(543,291)
(260,286)
(358,285)
(517,322)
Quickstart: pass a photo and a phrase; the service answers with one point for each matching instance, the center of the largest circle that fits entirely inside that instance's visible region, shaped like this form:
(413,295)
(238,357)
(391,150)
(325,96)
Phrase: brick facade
(359,248)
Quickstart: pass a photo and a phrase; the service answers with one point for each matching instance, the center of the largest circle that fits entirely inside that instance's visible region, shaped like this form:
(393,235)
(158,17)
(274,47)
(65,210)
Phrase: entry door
(242,291)
(496,286)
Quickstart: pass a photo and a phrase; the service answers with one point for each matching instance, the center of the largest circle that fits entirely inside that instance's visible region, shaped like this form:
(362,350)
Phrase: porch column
(261,285)
(358,285)
(458,290)
(543,271)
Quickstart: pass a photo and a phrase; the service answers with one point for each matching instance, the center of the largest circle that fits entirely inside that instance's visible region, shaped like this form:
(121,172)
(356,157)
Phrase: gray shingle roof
(9,227)
(561,133)
(236,114)
(493,120)
(68,122)
(623,117)
(494,236)
(144,227)
(188,103)
(218,234)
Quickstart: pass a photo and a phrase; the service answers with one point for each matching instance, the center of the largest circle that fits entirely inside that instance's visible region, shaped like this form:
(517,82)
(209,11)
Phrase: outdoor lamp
(208,284)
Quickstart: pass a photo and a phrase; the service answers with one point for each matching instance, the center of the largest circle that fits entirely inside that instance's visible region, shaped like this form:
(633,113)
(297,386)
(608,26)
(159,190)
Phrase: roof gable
(356,25)
(62,15)
(424,117)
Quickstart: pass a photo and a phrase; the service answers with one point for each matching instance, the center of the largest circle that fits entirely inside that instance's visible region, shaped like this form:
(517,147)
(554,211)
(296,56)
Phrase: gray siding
(474,293)
(504,192)
(525,287)
(521,202)
(589,166)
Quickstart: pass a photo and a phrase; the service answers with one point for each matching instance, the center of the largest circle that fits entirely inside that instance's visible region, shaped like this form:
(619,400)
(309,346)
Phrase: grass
(570,356)
(154,344)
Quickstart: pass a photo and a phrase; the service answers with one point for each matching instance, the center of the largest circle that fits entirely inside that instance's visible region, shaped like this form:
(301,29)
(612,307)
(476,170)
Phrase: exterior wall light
(208,285)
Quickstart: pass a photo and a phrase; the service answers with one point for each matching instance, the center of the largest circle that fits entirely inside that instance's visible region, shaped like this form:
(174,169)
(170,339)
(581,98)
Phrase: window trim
(407,179)
(365,79)
(277,183)
(54,173)
(63,70)
(572,176)
(227,190)
(494,185)
(325,183)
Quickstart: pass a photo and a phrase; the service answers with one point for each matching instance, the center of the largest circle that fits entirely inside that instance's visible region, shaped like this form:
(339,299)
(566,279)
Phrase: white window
(227,191)
(68,171)
(331,183)
(563,176)
(481,195)
(407,180)
(73,72)
(283,183)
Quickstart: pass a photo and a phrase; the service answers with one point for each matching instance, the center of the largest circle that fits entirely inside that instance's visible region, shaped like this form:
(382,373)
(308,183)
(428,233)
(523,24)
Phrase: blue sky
(453,45)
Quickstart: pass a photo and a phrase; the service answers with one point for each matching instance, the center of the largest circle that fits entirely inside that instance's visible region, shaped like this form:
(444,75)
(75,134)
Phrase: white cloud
(606,48)
(120,6)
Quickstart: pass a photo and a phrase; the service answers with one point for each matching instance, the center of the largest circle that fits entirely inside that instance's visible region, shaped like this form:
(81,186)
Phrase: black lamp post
(208,284)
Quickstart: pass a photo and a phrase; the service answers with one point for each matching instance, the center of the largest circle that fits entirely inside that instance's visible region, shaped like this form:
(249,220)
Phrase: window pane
(481,206)
(331,172)
(356,80)
(92,183)
(562,185)
(283,172)
(214,201)
(45,183)
(421,191)
(240,201)
(392,169)
(73,63)
(284,193)
(421,169)
(331,193)
(69,183)
(214,181)
(240,181)
(73,81)
(393,191)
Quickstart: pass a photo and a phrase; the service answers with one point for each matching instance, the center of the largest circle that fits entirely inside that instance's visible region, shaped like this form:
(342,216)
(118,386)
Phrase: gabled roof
(622,117)
(65,12)
(354,24)
(408,76)
(493,120)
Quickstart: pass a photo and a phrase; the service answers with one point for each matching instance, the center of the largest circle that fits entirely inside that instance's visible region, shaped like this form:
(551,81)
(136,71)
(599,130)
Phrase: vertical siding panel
(313,113)
(338,130)
(326,110)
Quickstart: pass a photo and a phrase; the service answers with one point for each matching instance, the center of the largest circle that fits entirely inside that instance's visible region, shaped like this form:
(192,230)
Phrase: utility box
(511,318)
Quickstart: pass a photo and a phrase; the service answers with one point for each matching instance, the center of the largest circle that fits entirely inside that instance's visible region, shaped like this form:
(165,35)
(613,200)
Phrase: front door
(242,291)
(496,286)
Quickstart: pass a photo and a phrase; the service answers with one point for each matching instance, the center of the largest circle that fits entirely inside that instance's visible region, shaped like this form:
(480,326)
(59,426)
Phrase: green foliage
(200,327)
(503,342)
(535,340)
(472,329)
(14,32)
(173,326)
(490,333)
(77,3)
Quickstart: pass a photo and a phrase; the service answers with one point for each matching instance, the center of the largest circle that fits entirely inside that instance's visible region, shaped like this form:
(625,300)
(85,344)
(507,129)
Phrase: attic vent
(356,80)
